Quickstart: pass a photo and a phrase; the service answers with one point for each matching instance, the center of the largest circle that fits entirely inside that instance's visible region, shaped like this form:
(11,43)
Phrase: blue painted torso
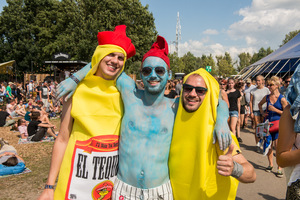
(146,134)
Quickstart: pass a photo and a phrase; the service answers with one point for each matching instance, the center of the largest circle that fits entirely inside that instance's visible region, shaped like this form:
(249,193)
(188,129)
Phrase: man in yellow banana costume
(198,169)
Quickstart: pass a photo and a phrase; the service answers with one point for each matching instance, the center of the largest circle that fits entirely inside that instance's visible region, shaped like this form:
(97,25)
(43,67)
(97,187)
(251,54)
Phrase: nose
(153,73)
(193,92)
(114,59)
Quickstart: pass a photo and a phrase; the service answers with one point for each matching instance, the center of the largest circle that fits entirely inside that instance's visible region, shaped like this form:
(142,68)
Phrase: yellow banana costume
(90,163)
(193,156)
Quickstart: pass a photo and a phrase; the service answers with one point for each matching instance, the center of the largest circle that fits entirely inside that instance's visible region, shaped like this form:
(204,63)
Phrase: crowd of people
(28,108)
(139,151)
(252,102)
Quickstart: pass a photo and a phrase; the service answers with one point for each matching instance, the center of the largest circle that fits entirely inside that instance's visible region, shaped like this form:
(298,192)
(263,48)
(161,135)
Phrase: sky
(219,26)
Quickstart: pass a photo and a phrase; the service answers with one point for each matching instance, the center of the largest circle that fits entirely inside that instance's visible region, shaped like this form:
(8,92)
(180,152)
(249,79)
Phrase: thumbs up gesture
(225,162)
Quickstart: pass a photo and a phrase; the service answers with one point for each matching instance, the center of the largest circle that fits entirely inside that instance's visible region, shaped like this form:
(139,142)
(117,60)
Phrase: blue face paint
(154,83)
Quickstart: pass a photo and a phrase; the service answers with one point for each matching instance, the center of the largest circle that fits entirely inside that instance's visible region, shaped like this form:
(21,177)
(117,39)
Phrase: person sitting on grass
(28,113)
(3,116)
(22,127)
(11,108)
(10,161)
(37,129)
(20,109)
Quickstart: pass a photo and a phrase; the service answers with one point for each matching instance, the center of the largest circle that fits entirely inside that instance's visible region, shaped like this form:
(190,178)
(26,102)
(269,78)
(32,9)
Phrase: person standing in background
(234,98)
(256,95)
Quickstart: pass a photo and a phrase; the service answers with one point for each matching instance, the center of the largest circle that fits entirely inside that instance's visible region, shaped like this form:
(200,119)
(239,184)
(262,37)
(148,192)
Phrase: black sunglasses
(199,90)
(146,71)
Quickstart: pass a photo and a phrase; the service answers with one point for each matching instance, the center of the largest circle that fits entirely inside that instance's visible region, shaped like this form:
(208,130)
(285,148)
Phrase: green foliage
(244,60)
(261,54)
(33,30)
(225,65)
(289,36)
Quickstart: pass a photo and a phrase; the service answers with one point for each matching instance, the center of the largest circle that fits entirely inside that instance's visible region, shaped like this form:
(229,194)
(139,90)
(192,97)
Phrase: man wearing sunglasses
(147,128)
(220,171)
(287,81)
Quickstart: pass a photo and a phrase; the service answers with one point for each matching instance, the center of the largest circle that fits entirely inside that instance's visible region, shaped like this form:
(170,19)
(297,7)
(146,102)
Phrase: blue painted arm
(222,131)
(68,86)
(125,83)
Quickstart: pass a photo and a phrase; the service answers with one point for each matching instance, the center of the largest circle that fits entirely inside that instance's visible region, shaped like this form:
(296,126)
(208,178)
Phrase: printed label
(94,168)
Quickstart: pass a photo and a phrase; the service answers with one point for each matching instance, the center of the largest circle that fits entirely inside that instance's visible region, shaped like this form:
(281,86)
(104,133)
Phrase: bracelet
(49,187)
(237,171)
(74,79)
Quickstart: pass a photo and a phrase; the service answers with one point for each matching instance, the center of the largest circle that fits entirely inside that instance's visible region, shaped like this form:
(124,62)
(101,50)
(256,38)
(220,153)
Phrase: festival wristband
(237,170)
(74,79)
(49,187)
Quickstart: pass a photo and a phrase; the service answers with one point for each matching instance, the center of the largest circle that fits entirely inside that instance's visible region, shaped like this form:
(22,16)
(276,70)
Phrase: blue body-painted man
(147,127)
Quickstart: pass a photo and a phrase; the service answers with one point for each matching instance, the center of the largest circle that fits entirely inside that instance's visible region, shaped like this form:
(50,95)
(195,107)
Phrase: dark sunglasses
(199,90)
(146,71)
(270,85)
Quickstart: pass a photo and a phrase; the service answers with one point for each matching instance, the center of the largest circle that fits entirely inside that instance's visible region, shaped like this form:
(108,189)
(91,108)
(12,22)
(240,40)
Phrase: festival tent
(283,61)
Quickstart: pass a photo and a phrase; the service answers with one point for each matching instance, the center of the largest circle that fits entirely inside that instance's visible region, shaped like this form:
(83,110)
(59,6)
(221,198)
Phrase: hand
(225,162)
(47,194)
(271,108)
(66,87)
(222,133)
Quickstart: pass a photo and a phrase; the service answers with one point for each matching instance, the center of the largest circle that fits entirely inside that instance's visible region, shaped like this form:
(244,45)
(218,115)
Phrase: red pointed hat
(159,49)
(117,37)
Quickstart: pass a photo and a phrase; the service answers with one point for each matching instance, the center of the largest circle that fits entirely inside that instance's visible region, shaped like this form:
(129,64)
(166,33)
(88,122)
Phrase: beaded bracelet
(74,79)
(49,187)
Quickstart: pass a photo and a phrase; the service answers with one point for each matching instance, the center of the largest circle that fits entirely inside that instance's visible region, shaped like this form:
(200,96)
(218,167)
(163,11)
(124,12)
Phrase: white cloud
(266,22)
(210,32)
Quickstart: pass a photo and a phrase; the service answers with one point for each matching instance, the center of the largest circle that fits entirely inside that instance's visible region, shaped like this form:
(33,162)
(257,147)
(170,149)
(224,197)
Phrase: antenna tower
(178,33)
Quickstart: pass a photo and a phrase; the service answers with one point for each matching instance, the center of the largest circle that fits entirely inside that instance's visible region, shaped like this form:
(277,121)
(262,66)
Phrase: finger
(69,96)
(214,138)
(229,140)
(223,161)
(223,168)
(224,173)
(220,140)
(230,150)
(224,141)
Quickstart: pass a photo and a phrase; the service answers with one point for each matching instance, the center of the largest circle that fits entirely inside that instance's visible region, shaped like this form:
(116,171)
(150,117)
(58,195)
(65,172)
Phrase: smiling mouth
(112,68)
(192,101)
(153,83)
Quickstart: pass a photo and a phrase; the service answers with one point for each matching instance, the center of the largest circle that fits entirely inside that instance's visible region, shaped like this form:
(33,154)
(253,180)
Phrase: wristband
(74,79)
(49,187)
(237,170)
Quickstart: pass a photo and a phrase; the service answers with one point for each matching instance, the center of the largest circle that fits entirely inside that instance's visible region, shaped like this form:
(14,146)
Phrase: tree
(289,36)
(208,61)
(244,60)
(261,54)
(33,30)
(225,65)
(190,63)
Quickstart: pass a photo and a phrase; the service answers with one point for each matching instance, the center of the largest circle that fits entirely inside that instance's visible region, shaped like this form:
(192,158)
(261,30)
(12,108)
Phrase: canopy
(284,60)
(7,67)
